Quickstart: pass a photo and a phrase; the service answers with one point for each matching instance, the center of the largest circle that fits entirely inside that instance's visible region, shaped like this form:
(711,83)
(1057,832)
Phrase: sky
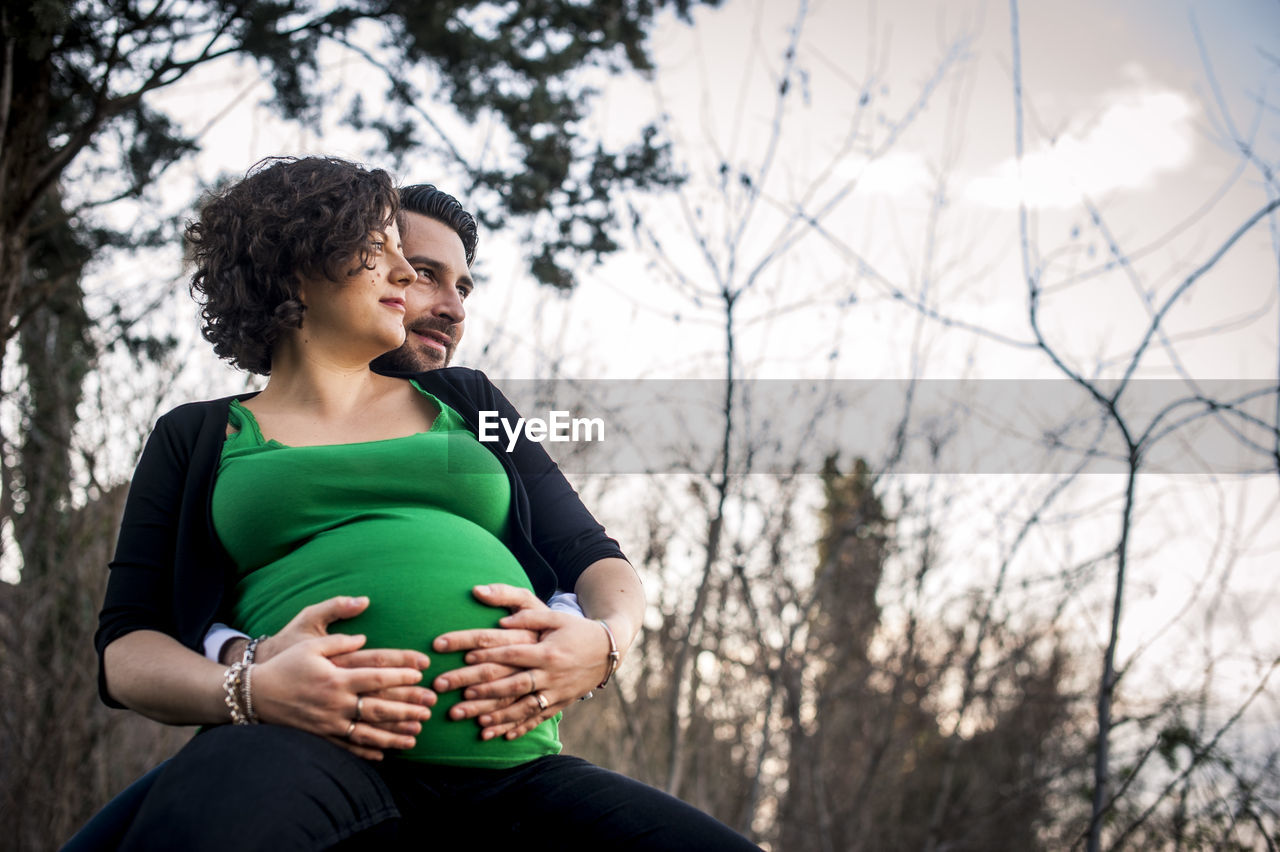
(1119,108)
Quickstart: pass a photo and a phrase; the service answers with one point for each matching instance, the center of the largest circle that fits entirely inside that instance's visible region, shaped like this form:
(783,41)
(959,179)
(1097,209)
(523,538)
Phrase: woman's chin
(396,343)
(380,346)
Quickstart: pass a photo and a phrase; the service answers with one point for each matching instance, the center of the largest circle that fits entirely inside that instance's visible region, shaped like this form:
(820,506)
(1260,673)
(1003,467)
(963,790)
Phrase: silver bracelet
(251,718)
(613,654)
(250,651)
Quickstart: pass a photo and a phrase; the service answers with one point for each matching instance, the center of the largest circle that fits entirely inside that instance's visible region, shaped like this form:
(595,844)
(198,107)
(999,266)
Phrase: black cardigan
(170,573)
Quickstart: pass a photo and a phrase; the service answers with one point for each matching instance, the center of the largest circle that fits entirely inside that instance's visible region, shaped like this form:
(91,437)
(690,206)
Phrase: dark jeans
(277,789)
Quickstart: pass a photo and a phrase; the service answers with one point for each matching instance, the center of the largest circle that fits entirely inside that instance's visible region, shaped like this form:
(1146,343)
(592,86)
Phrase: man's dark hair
(436,204)
(287,216)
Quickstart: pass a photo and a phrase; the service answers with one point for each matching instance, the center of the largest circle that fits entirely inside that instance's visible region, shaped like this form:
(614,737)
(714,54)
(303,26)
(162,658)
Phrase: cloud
(1140,135)
(891,174)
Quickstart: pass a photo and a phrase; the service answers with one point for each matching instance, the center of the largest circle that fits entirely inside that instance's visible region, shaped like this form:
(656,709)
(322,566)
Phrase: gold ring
(350,730)
(359,707)
(542,701)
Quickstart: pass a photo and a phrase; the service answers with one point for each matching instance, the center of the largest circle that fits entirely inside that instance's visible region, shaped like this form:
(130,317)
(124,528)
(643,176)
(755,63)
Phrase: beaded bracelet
(231,697)
(613,654)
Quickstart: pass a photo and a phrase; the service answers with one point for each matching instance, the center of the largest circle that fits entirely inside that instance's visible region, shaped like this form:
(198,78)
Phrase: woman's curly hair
(288,216)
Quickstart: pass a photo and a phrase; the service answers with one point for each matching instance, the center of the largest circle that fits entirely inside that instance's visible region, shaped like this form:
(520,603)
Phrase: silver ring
(542,701)
(359,709)
(350,730)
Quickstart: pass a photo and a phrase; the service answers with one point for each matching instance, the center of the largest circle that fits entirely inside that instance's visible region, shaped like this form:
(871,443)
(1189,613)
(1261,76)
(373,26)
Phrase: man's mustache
(441,326)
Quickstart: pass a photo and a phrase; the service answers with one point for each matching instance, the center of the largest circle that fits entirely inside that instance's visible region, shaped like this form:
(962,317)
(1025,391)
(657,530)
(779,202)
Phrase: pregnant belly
(417,571)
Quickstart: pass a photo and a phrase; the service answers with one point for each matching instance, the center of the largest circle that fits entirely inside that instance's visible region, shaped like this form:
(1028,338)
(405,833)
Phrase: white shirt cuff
(566,602)
(219,635)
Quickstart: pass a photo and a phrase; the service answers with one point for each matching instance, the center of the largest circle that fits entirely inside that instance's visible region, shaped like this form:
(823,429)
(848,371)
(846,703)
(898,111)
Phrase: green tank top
(413,523)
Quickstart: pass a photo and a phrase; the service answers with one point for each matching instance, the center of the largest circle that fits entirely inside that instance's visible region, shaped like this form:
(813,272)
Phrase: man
(512,667)
(431,223)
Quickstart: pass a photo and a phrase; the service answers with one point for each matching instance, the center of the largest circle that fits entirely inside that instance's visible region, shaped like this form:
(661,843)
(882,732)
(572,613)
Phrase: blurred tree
(823,808)
(837,739)
(867,755)
(76,77)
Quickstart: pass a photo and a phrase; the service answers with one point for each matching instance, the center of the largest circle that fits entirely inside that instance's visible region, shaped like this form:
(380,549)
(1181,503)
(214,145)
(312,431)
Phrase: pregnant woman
(334,482)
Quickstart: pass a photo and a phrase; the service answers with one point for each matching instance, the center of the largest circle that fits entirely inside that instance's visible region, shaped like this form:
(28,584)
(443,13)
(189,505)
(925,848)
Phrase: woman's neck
(318,380)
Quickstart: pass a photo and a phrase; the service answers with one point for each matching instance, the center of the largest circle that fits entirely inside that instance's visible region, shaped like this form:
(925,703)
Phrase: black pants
(277,789)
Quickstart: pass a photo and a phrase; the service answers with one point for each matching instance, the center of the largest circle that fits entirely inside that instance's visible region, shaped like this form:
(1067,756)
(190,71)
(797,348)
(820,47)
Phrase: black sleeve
(140,588)
(564,532)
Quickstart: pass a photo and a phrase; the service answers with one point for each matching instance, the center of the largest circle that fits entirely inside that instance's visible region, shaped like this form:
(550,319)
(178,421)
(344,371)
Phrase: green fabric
(413,523)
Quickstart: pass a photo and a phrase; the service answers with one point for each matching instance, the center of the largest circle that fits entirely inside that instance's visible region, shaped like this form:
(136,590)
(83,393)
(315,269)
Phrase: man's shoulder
(464,379)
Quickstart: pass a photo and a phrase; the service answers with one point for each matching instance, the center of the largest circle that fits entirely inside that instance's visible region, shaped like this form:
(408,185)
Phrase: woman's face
(360,317)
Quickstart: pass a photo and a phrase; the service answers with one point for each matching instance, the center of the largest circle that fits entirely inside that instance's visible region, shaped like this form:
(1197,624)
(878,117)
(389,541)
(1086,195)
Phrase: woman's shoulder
(185,433)
(192,415)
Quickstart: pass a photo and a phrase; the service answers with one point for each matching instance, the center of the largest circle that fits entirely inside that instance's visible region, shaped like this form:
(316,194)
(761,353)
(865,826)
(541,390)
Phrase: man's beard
(412,357)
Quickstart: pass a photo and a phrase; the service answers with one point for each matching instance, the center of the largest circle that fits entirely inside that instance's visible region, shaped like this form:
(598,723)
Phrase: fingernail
(442,684)
(485,721)
(456,713)
(486,735)
(482,590)
(441,644)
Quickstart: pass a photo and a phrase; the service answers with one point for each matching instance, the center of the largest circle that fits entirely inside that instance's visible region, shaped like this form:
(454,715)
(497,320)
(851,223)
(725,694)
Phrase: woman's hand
(535,651)
(394,710)
(301,686)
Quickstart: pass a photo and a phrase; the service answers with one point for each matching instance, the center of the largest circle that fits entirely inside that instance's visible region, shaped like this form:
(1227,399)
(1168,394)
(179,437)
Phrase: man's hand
(535,650)
(397,710)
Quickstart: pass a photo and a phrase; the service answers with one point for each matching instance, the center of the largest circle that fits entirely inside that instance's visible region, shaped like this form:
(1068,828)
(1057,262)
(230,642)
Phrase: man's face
(434,314)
